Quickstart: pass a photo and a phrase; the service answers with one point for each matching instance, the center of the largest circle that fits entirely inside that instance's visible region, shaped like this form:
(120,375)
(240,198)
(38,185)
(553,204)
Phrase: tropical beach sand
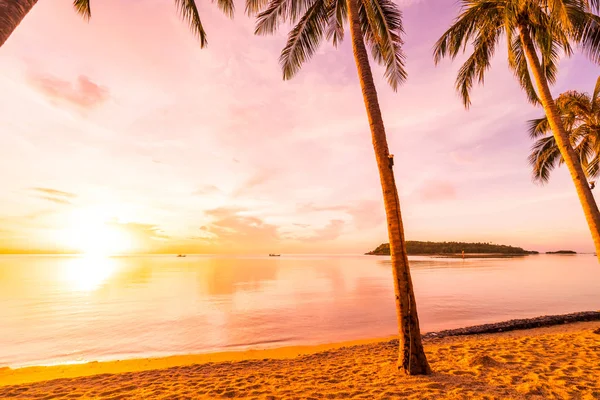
(560,362)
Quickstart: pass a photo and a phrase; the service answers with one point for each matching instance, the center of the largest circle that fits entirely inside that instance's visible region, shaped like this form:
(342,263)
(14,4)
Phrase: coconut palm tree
(376,24)
(580,114)
(12,13)
(537,32)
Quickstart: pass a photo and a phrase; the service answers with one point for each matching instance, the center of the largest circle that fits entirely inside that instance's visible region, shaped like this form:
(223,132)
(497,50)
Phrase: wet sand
(557,362)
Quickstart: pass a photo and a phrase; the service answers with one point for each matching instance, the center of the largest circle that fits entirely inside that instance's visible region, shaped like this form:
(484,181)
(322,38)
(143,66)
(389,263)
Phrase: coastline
(557,362)
(561,324)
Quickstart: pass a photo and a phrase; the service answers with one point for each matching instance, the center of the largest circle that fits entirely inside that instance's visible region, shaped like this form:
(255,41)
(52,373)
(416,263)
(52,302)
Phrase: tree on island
(537,32)
(12,12)
(378,25)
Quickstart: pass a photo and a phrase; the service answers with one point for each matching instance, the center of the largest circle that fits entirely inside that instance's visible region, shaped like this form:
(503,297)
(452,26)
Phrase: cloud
(330,231)
(140,236)
(230,226)
(54,192)
(206,189)
(258,179)
(312,207)
(366,214)
(436,190)
(83,92)
(53,195)
(464,157)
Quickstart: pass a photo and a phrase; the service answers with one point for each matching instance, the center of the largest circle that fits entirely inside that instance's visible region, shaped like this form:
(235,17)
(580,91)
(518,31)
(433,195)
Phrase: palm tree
(580,114)
(537,33)
(378,25)
(12,13)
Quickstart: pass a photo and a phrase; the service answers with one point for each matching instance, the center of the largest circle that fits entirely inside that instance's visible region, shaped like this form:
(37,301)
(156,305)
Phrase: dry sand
(561,362)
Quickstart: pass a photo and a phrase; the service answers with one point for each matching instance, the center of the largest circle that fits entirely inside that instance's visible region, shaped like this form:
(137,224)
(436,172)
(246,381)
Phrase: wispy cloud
(437,190)
(54,192)
(53,195)
(83,92)
(331,231)
(207,190)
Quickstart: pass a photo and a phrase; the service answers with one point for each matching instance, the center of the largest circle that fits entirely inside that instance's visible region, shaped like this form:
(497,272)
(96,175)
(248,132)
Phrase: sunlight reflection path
(87,273)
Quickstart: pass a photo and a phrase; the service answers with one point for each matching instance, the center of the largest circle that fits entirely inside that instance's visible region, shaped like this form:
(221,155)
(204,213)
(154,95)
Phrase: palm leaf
(483,50)
(518,63)
(83,8)
(227,6)
(586,33)
(382,30)
(595,106)
(336,15)
(278,11)
(544,158)
(304,39)
(254,7)
(189,13)
(465,27)
(539,127)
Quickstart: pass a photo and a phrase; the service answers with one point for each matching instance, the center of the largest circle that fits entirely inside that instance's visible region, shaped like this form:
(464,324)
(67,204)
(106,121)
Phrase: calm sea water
(73,309)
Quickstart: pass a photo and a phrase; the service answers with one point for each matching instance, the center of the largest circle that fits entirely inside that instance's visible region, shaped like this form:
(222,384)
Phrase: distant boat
(180,255)
(274,255)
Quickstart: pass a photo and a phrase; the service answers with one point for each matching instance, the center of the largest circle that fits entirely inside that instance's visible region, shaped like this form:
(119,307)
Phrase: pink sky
(210,150)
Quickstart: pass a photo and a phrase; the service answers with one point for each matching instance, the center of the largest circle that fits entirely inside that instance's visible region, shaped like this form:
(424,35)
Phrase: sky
(120,134)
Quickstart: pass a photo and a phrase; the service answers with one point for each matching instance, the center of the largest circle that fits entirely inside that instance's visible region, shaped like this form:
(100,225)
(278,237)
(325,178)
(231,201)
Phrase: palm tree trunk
(586,198)
(412,358)
(12,13)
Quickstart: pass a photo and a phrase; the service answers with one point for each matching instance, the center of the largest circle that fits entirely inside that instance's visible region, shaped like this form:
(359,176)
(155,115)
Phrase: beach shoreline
(576,324)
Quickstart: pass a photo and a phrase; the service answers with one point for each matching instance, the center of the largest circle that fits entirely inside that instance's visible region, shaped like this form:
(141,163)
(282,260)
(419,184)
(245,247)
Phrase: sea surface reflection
(57,309)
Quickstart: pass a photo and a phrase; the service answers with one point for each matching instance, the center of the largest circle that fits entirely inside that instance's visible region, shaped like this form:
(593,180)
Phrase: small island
(562,252)
(448,248)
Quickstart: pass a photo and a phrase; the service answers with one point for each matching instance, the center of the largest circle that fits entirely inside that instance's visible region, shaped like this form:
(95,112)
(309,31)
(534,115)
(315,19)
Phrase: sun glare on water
(88,273)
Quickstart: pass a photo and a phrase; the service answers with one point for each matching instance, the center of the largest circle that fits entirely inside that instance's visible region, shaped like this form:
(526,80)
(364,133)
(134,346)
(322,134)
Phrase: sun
(92,231)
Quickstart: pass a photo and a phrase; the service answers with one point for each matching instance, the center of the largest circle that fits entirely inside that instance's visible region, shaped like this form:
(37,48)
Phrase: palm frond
(484,46)
(518,63)
(268,20)
(336,15)
(544,158)
(278,11)
(382,30)
(586,33)
(254,7)
(595,95)
(539,127)
(83,8)
(465,27)
(593,5)
(592,170)
(304,39)
(189,13)
(227,6)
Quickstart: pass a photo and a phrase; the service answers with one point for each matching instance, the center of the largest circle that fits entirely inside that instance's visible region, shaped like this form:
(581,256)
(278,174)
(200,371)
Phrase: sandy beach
(557,362)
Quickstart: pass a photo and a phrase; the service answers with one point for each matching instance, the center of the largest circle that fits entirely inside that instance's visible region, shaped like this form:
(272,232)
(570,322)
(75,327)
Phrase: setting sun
(93,232)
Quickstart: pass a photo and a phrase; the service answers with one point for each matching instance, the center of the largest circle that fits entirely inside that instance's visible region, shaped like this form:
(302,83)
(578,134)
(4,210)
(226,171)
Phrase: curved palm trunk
(412,358)
(586,198)
(12,13)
